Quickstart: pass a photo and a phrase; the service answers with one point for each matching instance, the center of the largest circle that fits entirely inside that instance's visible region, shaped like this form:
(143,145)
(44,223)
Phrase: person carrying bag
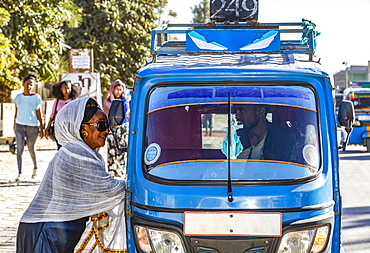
(116,106)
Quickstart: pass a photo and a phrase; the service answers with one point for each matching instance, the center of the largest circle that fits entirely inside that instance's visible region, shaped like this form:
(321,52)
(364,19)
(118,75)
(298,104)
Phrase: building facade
(351,75)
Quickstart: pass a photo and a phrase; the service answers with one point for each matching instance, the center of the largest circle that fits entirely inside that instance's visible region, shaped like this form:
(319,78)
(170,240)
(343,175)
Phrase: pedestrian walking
(28,122)
(75,187)
(207,123)
(64,92)
(117,138)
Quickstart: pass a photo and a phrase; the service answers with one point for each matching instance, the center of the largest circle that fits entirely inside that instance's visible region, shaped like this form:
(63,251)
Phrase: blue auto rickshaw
(360,97)
(188,189)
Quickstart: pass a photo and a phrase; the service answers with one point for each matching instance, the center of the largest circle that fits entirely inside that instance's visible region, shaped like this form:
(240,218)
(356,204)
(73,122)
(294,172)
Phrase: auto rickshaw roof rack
(234,38)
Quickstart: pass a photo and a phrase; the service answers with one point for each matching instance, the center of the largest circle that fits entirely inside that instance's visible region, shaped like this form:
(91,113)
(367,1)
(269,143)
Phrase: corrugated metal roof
(228,62)
(224,60)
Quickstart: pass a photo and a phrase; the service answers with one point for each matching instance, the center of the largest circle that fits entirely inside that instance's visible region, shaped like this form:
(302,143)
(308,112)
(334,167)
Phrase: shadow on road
(354,155)
(5,151)
(17,184)
(37,149)
(46,149)
(354,217)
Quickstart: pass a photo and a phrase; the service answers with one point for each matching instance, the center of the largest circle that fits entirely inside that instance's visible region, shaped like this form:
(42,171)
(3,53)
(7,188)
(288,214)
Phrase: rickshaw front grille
(231,244)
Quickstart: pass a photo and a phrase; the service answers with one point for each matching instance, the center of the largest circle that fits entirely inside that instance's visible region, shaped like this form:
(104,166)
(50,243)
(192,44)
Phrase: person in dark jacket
(261,139)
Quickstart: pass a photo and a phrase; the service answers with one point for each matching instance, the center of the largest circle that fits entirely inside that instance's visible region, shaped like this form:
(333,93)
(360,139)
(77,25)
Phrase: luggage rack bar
(164,44)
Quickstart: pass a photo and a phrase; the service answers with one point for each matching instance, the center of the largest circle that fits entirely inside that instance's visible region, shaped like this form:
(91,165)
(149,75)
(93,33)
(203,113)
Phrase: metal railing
(165,42)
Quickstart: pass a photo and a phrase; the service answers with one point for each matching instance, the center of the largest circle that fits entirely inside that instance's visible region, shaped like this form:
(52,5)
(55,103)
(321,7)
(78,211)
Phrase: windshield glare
(273,132)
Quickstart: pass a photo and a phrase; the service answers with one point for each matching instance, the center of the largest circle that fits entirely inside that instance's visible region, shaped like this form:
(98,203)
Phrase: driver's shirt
(254,152)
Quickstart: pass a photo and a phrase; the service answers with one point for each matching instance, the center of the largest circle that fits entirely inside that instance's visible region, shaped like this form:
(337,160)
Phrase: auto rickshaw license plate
(232,224)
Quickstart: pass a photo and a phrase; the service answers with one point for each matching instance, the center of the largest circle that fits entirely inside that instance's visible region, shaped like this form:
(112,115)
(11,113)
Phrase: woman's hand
(41,132)
(47,132)
(51,120)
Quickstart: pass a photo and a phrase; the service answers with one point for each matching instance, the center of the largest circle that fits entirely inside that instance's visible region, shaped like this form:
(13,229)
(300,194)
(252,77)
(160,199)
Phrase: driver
(261,139)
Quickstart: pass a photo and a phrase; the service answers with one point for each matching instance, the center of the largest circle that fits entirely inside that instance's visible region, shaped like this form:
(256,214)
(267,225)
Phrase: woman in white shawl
(75,186)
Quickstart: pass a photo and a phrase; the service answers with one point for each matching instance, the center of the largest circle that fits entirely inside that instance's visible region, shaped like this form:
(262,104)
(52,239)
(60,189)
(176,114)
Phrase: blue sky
(345,35)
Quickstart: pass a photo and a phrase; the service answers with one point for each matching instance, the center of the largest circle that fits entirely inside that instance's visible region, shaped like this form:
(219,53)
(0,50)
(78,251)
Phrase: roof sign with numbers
(234,10)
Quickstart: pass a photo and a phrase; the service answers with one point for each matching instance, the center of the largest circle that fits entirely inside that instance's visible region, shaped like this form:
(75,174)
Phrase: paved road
(355,189)
(15,197)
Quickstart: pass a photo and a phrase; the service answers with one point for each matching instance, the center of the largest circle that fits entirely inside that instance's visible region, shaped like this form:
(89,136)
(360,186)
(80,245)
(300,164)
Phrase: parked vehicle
(188,189)
(360,98)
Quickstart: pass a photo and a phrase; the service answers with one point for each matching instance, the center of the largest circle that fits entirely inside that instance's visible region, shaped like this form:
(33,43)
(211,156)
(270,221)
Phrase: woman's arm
(15,114)
(52,117)
(51,120)
(41,133)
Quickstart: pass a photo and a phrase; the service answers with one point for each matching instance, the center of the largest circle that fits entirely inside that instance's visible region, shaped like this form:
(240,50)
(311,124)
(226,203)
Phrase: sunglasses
(101,125)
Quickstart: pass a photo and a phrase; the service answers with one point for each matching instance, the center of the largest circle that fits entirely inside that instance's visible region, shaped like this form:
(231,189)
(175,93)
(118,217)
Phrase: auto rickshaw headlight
(157,240)
(305,241)
(143,239)
(321,237)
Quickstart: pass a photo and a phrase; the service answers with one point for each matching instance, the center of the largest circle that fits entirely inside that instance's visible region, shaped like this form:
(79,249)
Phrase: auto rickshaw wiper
(229,188)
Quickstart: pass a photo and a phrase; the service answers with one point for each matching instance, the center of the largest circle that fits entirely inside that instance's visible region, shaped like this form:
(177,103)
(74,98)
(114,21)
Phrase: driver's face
(247,115)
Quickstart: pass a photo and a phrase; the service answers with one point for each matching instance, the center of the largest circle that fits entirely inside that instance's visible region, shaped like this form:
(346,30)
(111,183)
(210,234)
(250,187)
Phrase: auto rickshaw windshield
(273,132)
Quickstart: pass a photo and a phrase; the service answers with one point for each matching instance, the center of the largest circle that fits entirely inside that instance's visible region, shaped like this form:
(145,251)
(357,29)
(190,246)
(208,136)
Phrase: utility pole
(346,74)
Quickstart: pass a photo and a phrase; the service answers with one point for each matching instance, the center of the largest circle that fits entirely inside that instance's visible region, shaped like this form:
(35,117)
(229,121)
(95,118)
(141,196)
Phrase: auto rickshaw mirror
(346,115)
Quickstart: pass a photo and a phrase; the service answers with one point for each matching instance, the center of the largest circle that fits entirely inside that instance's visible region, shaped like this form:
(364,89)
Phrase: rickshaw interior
(193,133)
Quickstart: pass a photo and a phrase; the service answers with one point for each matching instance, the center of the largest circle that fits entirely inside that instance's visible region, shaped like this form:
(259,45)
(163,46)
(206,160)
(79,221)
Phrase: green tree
(7,57)
(35,35)
(119,32)
(201,12)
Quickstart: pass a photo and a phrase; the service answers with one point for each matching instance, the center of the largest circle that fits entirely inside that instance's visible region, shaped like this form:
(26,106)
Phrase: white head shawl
(68,121)
(76,184)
